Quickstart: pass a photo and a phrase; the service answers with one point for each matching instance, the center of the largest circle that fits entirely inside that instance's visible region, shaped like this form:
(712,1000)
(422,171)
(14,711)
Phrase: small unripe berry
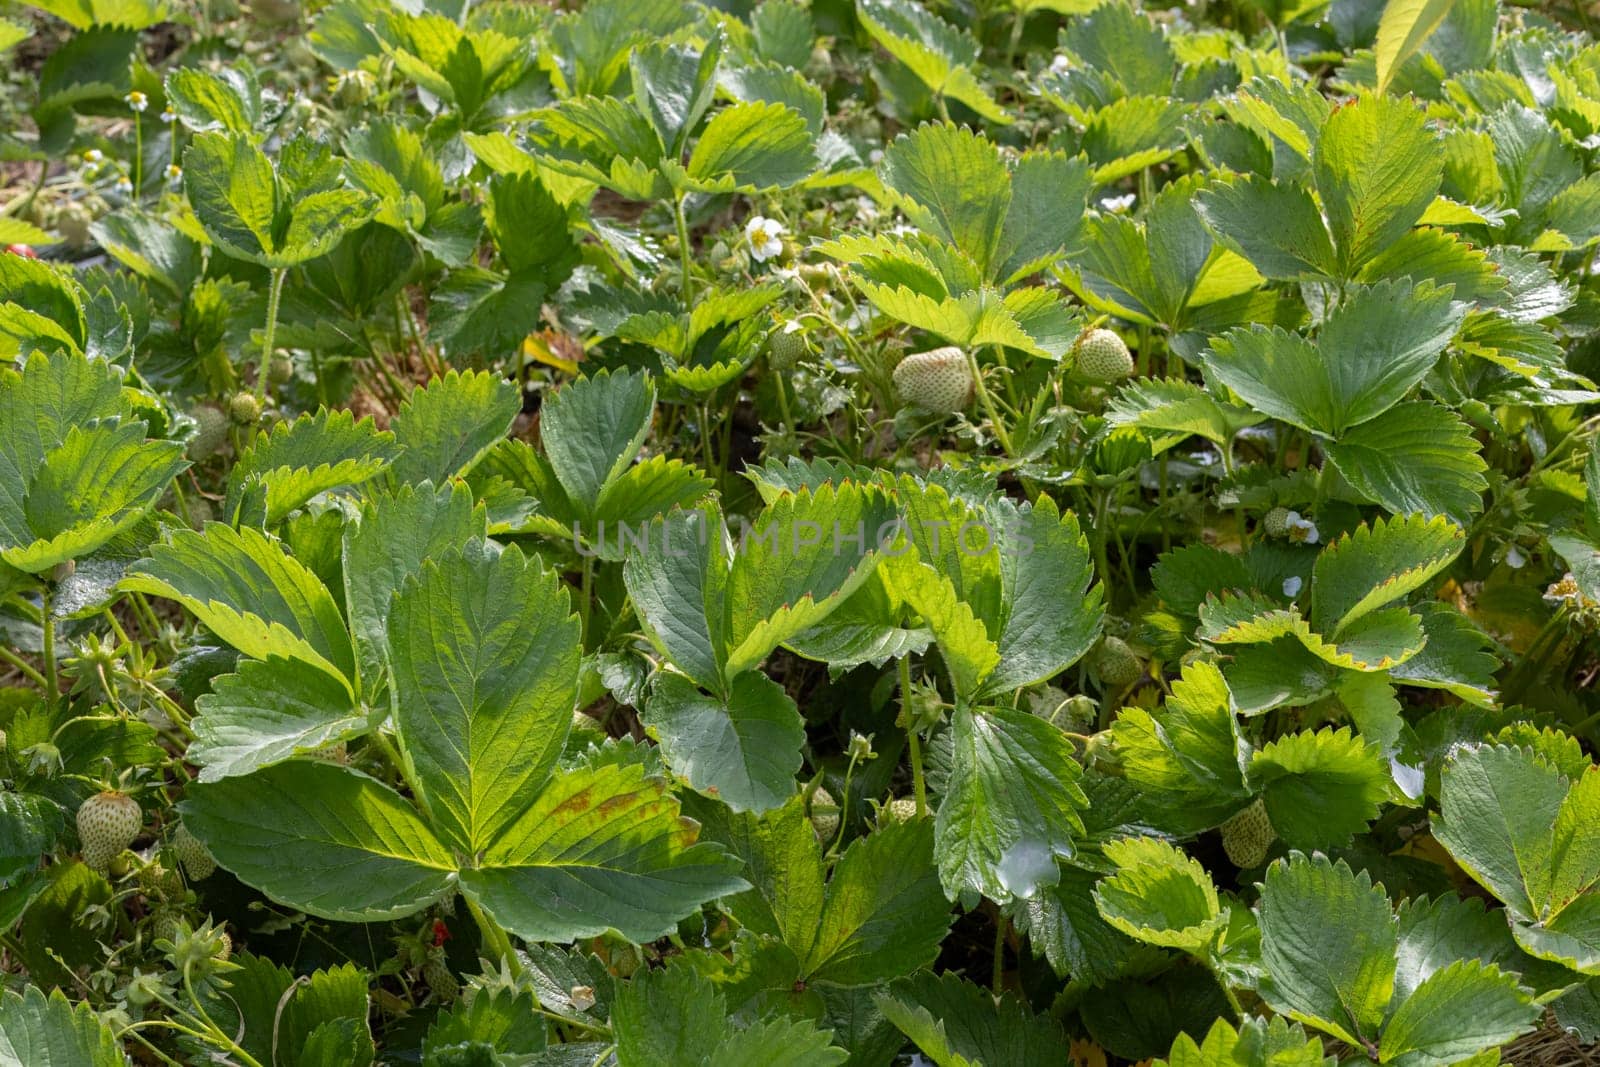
(1116,663)
(107,823)
(1248,835)
(1103,358)
(245,408)
(939,380)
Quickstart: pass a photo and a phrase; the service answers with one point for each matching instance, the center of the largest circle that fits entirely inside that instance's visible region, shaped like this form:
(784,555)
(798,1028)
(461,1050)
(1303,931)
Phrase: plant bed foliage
(1017,532)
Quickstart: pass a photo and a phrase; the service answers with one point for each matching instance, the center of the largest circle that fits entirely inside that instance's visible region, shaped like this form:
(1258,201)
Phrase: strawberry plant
(647,532)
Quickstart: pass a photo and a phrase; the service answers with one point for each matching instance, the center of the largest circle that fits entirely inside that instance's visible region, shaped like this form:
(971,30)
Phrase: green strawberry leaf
(245,587)
(957,1024)
(1010,808)
(315,453)
(1377,167)
(1328,947)
(446,426)
(1159,895)
(1376,565)
(51,1031)
(592,430)
(322,838)
(1320,788)
(1456,1012)
(1256,1043)
(745,751)
(484,656)
(602,848)
(269,711)
(1416,457)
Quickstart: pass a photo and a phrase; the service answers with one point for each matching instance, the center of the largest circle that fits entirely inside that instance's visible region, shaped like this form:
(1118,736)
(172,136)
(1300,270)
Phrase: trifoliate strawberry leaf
(1132,133)
(396,533)
(885,912)
(677,1015)
(1376,565)
(1377,167)
(267,712)
(591,431)
(247,589)
(1457,1012)
(602,848)
(101,479)
(51,1031)
(322,838)
(484,656)
(1184,756)
(957,1024)
(1010,808)
(1417,457)
(1159,895)
(744,750)
(1276,227)
(1255,1043)
(673,85)
(939,54)
(298,460)
(446,426)
(1370,352)
(1457,657)
(1063,924)
(1320,788)
(1127,45)
(1517,826)
(751,147)
(1328,946)
(274,217)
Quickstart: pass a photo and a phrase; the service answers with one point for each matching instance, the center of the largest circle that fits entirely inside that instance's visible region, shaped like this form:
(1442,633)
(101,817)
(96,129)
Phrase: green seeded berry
(245,408)
(280,368)
(1116,663)
(107,823)
(1276,522)
(443,984)
(195,857)
(784,349)
(824,814)
(1248,835)
(901,809)
(939,380)
(210,431)
(1102,357)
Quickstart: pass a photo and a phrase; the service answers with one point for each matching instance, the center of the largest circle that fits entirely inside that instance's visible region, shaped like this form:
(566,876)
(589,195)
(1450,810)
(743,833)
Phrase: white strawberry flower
(169,115)
(1291,586)
(124,185)
(174,173)
(136,100)
(1060,63)
(1301,530)
(1117,204)
(765,236)
(1515,559)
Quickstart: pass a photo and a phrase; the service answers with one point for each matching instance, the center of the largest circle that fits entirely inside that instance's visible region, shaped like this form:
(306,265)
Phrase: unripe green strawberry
(210,430)
(224,947)
(107,823)
(245,408)
(1247,836)
(167,925)
(939,380)
(193,854)
(72,223)
(901,809)
(784,349)
(1276,522)
(824,814)
(1102,357)
(1116,663)
(436,972)
(280,368)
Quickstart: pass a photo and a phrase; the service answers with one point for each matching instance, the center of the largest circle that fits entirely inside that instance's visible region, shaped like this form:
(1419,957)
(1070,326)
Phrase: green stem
(265,361)
(138,154)
(23,666)
(913,741)
(585,595)
(52,683)
(987,404)
(495,939)
(686,276)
